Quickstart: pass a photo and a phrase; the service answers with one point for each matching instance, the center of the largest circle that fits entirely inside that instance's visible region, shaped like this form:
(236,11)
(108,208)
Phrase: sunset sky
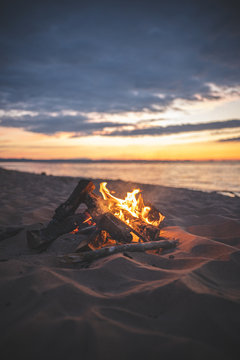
(120,80)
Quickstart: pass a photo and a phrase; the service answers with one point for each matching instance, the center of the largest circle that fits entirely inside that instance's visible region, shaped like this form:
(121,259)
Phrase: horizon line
(86,160)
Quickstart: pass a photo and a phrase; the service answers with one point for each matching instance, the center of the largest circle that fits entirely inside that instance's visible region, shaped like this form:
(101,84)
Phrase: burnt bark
(41,239)
(116,228)
(63,220)
(75,199)
(96,205)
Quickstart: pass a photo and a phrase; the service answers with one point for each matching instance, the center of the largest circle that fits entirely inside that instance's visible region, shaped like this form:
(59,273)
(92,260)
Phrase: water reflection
(205,176)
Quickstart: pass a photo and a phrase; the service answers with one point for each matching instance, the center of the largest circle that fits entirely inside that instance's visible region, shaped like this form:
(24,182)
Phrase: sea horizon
(86,160)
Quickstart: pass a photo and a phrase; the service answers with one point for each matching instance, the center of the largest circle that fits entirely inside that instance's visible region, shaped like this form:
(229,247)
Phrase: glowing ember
(75,230)
(131,208)
(88,221)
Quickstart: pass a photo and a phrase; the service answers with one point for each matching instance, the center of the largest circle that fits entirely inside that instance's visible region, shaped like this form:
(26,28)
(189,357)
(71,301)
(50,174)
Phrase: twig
(90,256)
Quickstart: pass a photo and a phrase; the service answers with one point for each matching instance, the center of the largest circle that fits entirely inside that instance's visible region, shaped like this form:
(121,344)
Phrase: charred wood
(84,240)
(75,199)
(116,228)
(96,205)
(41,239)
(63,220)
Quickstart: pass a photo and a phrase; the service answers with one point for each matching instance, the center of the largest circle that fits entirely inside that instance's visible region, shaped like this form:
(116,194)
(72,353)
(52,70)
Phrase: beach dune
(181,304)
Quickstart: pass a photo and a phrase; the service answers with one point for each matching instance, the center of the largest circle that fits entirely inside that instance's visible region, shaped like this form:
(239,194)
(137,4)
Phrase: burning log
(96,205)
(116,228)
(86,258)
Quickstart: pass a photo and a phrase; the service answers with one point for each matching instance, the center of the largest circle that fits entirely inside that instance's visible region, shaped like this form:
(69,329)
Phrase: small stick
(87,230)
(89,256)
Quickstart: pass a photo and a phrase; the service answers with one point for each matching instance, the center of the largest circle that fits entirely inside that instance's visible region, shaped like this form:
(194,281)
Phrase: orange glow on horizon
(16,143)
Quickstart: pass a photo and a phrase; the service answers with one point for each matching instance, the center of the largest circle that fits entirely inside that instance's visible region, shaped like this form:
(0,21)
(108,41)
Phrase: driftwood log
(63,220)
(87,257)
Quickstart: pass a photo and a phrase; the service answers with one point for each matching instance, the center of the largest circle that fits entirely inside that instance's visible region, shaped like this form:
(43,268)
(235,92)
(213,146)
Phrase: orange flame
(129,208)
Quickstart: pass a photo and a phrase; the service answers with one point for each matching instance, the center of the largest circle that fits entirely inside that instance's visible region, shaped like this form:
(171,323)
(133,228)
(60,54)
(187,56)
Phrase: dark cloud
(176,129)
(81,126)
(53,124)
(230,139)
(113,56)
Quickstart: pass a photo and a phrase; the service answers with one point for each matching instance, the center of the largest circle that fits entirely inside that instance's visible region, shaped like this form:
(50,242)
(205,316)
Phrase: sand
(182,304)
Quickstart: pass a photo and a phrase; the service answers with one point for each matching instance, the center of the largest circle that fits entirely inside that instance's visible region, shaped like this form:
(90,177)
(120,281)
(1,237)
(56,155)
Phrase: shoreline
(207,178)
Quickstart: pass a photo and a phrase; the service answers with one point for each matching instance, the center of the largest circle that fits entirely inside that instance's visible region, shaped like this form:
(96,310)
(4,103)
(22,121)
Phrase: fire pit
(110,224)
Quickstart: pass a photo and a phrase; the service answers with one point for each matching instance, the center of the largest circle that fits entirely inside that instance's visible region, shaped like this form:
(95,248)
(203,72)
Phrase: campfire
(108,225)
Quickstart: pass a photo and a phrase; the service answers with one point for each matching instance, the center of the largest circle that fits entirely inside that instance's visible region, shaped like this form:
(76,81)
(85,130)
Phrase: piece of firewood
(116,228)
(85,240)
(153,214)
(40,239)
(87,257)
(63,220)
(148,231)
(75,199)
(96,204)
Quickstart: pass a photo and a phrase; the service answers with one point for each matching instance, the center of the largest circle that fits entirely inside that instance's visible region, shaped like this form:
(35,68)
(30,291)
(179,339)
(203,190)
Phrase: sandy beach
(180,304)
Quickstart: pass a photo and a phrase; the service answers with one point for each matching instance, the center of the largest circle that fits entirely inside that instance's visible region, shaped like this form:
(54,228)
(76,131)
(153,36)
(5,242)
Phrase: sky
(155,80)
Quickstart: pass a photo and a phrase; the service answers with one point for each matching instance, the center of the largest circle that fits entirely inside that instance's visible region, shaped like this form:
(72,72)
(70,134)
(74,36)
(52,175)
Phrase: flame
(131,208)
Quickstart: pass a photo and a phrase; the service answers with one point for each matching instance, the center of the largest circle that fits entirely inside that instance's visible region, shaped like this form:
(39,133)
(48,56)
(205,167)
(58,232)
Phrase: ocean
(220,176)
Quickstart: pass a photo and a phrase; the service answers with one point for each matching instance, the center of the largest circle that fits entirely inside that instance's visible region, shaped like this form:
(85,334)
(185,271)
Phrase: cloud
(81,126)
(176,129)
(52,124)
(230,139)
(115,56)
